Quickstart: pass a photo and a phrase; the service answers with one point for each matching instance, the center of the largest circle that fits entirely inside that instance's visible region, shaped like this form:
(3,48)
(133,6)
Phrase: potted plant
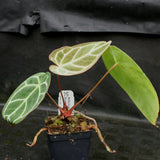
(71,125)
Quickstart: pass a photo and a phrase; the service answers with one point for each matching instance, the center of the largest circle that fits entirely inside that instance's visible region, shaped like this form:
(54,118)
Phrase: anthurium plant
(69,61)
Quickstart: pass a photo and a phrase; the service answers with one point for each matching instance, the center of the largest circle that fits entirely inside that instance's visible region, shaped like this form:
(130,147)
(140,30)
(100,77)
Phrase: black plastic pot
(69,147)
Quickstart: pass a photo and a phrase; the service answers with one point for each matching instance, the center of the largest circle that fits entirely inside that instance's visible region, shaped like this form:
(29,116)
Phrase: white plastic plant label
(68,98)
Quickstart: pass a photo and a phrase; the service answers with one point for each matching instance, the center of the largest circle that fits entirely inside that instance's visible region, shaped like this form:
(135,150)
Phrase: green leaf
(133,80)
(77,59)
(26,97)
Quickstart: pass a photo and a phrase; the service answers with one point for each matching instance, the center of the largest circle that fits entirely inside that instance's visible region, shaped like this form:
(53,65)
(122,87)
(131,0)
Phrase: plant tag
(68,98)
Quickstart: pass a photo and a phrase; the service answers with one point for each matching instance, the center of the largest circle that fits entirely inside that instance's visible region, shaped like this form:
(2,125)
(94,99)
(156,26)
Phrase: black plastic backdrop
(137,16)
(22,56)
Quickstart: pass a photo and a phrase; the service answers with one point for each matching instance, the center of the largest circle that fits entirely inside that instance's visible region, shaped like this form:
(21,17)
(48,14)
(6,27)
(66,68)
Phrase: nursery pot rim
(68,136)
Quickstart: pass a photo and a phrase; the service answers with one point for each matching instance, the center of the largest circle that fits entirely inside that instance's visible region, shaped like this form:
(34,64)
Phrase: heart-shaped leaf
(77,59)
(133,80)
(26,97)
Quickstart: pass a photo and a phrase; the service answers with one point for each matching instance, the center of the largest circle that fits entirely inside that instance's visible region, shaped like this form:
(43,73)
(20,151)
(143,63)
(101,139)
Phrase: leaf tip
(156,121)
(109,42)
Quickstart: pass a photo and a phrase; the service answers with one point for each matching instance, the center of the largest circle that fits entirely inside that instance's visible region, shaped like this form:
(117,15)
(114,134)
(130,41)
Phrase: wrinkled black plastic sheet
(134,16)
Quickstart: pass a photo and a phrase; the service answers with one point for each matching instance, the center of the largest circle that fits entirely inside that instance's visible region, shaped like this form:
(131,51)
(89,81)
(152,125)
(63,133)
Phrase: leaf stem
(88,94)
(53,101)
(59,86)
